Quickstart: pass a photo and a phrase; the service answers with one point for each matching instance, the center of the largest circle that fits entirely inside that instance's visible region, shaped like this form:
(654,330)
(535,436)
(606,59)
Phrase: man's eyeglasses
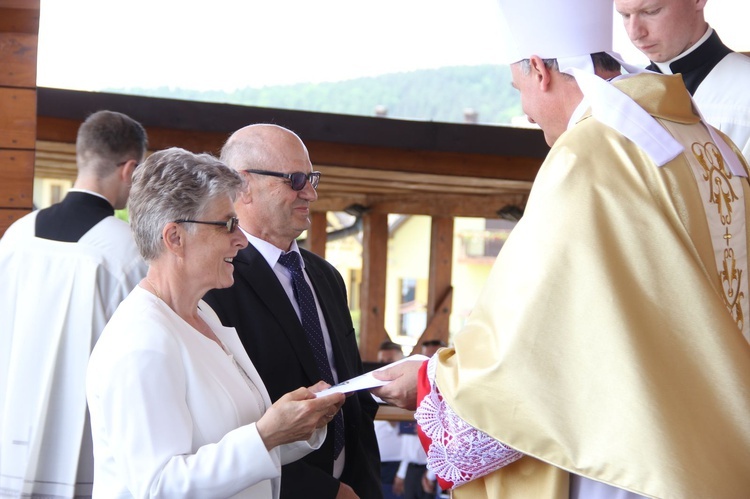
(298,180)
(230,225)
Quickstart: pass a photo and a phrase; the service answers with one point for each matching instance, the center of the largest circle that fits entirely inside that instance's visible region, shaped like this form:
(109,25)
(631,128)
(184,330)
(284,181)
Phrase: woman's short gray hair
(175,184)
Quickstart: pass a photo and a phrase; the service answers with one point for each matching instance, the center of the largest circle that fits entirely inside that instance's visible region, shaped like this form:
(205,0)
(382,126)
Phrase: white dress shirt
(271,254)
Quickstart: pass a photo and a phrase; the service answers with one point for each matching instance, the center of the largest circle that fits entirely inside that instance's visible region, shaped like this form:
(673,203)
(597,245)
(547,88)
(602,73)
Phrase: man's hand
(346,492)
(427,484)
(398,486)
(402,390)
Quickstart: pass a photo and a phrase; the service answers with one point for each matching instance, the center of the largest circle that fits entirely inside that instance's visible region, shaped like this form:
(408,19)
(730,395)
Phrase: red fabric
(423,389)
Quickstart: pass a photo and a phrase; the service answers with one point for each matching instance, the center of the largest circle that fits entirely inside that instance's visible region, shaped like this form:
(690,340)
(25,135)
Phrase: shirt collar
(270,252)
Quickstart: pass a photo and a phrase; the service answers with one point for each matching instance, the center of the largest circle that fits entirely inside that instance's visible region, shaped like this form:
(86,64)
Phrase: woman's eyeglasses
(298,180)
(231,224)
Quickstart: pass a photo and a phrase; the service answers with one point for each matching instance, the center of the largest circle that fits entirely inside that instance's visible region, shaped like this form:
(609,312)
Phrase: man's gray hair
(602,61)
(175,184)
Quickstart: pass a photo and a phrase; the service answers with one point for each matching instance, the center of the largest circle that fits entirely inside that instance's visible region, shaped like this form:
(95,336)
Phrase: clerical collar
(697,62)
(76,189)
(665,68)
(73,217)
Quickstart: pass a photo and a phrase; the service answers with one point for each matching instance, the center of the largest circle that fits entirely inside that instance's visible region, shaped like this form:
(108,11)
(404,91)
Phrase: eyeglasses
(298,180)
(230,225)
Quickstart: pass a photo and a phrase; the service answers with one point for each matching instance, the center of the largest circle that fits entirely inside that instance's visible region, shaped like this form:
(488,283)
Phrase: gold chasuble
(603,343)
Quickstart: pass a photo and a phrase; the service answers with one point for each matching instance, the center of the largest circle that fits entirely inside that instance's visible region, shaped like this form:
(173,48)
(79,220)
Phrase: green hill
(432,95)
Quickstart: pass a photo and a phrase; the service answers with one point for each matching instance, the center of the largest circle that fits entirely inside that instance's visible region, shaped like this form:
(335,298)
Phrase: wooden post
(19,34)
(439,290)
(372,296)
(316,234)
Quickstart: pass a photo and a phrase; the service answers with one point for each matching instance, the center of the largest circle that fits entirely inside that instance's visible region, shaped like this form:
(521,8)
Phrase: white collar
(270,252)
(74,189)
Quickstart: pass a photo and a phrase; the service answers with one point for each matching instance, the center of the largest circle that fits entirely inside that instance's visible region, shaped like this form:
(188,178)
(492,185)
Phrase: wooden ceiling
(383,164)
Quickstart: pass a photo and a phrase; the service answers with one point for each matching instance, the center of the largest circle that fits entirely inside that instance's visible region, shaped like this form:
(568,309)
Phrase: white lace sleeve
(459,452)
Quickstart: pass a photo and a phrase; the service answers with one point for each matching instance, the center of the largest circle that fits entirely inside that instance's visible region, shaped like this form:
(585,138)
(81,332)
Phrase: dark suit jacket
(257,306)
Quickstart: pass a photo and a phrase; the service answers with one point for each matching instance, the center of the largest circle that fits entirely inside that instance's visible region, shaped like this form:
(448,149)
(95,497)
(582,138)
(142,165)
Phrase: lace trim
(458,452)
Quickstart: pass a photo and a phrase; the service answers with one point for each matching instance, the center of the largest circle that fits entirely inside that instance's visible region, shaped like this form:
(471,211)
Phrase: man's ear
(541,73)
(246,194)
(126,173)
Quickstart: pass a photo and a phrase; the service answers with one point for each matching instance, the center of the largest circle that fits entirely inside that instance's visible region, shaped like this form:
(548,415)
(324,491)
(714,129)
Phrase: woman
(177,408)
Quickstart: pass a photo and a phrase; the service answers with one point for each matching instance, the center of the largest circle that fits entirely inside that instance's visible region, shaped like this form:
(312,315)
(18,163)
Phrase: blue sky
(227,44)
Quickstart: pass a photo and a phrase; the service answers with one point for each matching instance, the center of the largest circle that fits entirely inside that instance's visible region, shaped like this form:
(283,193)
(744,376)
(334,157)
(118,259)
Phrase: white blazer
(172,415)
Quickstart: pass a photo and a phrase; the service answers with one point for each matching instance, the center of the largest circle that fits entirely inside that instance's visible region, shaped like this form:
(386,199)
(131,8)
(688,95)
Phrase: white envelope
(367,380)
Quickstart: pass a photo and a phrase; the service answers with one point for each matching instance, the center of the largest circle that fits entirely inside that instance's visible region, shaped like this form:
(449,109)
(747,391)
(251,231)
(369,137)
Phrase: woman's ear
(174,238)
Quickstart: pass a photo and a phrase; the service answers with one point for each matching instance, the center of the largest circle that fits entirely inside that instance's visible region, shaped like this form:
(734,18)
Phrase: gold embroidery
(722,195)
(718,176)
(731,279)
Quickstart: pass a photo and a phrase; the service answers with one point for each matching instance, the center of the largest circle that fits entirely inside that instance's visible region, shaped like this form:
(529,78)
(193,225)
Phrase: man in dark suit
(271,300)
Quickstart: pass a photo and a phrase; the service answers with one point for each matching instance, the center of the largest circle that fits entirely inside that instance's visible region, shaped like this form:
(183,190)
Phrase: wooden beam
(8,216)
(382,163)
(441,268)
(19,16)
(435,329)
(18,117)
(425,204)
(429,162)
(18,53)
(407,180)
(439,287)
(16,168)
(53,129)
(404,136)
(372,295)
(316,234)
(19,29)
(393,413)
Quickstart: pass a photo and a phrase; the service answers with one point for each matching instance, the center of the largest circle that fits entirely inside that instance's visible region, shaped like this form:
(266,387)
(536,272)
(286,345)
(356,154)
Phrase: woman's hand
(296,415)
(320,386)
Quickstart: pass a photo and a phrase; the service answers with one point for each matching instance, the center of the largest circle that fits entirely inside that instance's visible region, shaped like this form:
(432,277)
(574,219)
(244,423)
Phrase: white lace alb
(459,452)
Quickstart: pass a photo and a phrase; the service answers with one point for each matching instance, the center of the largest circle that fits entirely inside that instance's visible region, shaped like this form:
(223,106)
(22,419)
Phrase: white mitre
(570,31)
(556,29)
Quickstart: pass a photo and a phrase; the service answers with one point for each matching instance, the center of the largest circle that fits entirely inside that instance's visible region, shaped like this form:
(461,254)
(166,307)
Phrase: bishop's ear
(540,72)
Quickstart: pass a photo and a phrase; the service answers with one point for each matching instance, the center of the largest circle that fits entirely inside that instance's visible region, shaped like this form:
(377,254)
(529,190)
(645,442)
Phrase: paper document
(367,380)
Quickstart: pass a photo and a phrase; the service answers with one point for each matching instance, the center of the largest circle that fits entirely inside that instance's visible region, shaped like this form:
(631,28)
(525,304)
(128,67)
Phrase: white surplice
(55,299)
